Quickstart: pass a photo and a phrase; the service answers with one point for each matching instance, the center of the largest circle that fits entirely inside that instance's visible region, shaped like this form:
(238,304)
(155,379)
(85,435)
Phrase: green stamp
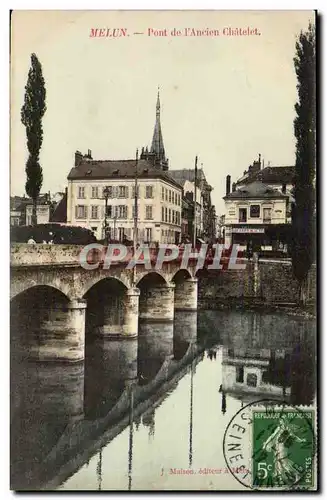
(283,449)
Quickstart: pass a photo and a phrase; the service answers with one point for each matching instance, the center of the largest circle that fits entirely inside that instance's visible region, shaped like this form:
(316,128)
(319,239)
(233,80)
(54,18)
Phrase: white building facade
(258,207)
(159,200)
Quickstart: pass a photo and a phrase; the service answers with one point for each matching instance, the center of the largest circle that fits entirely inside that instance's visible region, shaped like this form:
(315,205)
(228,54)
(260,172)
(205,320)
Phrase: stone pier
(186,295)
(60,334)
(157,303)
(120,315)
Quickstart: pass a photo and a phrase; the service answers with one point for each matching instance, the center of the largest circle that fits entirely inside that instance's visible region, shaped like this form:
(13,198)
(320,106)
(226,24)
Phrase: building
(205,211)
(255,371)
(220,228)
(94,185)
(21,210)
(258,208)
(59,208)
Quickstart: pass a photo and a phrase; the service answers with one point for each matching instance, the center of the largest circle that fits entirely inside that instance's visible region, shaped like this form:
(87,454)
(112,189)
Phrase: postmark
(269,444)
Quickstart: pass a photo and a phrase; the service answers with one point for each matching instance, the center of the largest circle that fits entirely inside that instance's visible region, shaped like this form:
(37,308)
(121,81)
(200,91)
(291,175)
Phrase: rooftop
(270,175)
(256,190)
(118,169)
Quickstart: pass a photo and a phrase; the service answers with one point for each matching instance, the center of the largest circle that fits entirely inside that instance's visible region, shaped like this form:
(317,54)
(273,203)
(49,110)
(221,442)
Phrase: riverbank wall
(265,283)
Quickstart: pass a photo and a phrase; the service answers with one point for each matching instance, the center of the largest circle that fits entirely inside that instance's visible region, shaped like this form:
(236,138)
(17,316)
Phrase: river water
(151,413)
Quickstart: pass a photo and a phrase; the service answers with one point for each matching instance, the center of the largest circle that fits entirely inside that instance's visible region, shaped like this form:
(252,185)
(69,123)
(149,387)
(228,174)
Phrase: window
(149,191)
(169,196)
(179,199)
(251,380)
(242,215)
(166,214)
(166,194)
(80,212)
(122,191)
(148,212)
(162,214)
(94,212)
(81,192)
(95,192)
(169,215)
(109,211)
(133,191)
(148,234)
(255,211)
(121,233)
(267,215)
(240,374)
(121,212)
(162,193)
(110,193)
(14,221)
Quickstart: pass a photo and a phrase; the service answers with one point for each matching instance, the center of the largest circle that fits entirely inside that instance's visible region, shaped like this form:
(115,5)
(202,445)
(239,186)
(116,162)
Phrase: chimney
(233,187)
(259,161)
(89,154)
(228,180)
(78,158)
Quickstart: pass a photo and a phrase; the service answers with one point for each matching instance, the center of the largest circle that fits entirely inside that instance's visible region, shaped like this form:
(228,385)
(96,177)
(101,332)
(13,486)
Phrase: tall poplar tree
(303,210)
(32,113)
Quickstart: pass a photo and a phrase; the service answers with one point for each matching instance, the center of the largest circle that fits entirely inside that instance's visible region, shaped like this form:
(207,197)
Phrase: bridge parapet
(23,254)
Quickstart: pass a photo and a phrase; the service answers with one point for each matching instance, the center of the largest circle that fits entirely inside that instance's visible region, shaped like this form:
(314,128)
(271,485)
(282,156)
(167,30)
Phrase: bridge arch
(100,279)
(181,275)
(22,286)
(149,278)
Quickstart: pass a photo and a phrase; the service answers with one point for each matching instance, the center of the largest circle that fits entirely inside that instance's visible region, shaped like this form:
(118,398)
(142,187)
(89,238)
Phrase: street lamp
(106,196)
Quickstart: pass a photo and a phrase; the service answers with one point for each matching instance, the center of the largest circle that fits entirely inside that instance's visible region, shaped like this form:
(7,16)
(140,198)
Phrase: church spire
(157,145)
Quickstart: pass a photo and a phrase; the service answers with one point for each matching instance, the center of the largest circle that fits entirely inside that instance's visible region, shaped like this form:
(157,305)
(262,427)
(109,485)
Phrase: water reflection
(155,346)
(160,401)
(109,366)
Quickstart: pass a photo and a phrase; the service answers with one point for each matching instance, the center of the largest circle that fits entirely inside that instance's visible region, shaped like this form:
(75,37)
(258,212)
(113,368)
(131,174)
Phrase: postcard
(163,258)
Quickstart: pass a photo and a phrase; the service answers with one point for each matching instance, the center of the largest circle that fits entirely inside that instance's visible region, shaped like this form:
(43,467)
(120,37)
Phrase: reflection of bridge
(76,411)
(54,293)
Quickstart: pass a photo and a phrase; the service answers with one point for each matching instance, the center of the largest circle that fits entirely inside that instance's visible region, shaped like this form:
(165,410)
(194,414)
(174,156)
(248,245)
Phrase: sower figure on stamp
(279,443)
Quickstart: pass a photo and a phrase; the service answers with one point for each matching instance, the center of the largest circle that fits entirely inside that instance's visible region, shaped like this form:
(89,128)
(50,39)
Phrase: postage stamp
(283,449)
(271,445)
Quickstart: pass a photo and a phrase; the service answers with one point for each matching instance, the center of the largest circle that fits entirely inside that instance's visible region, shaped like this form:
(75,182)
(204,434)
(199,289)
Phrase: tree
(303,209)
(32,113)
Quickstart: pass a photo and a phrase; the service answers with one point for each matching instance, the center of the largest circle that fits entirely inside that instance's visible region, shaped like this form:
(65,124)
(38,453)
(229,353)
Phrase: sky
(223,98)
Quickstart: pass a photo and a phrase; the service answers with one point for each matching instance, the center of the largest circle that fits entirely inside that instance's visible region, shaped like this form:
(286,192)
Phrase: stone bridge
(58,300)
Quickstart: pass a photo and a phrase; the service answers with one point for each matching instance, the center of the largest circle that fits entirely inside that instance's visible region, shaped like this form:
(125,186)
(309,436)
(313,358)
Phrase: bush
(59,234)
